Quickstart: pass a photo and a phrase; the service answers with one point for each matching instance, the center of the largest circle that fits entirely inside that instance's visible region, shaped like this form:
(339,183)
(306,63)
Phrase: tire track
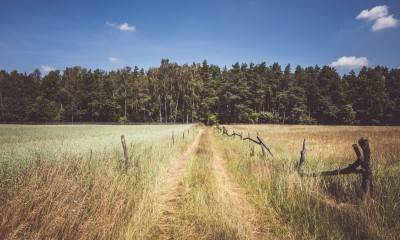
(172,192)
(155,211)
(243,214)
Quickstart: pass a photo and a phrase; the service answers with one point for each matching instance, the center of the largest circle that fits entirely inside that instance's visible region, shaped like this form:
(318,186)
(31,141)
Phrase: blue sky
(55,34)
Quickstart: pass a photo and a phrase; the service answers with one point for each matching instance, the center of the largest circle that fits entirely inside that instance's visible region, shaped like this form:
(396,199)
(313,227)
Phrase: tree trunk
(176,108)
(160,109)
(192,109)
(1,105)
(165,109)
(125,104)
(284,116)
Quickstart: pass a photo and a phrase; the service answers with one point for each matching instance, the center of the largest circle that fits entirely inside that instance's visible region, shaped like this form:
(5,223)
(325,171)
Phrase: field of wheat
(70,182)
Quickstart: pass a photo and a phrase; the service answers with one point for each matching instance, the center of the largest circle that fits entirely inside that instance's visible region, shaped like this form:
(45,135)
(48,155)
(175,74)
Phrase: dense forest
(170,93)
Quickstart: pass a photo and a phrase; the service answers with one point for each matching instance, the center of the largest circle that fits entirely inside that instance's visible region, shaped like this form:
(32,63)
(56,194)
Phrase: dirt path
(244,215)
(154,212)
(172,192)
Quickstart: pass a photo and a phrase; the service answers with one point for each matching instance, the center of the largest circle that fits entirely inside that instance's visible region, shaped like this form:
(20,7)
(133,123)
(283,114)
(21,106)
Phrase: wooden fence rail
(125,150)
(363,160)
(259,141)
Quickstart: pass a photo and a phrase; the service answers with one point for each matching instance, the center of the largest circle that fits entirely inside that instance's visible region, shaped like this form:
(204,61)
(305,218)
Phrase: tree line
(172,93)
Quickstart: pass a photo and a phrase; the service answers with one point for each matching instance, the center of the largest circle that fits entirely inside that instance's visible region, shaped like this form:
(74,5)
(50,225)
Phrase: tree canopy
(170,93)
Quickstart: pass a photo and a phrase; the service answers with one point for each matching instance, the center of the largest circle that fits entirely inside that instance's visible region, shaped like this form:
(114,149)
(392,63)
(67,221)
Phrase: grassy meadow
(322,207)
(69,182)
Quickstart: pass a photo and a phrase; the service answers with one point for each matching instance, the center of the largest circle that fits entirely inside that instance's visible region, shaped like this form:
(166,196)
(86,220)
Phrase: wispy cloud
(380,16)
(374,13)
(47,68)
(350,62)
(125,27)
(110,24)
(113,60)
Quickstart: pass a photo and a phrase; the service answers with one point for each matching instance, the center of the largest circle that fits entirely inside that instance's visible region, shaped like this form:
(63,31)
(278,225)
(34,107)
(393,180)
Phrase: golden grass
(69,182)
(328,143)
(324,207)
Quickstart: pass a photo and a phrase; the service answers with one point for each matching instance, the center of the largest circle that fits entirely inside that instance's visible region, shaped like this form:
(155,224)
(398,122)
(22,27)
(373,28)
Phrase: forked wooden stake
(363,160)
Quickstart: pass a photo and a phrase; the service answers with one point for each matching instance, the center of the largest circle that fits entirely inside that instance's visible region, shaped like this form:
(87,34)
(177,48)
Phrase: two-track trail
(198,198)
(173,190)
(152,215)
(242,213)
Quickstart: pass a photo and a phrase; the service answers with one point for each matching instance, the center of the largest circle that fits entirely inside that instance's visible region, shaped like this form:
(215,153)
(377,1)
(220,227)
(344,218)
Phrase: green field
(70,182)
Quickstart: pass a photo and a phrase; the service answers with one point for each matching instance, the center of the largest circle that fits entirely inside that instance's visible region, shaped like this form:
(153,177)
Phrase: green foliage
(212,119)
(122,120)
(60,115)
(349,115)
(306,120)
(171,93)
(265,117)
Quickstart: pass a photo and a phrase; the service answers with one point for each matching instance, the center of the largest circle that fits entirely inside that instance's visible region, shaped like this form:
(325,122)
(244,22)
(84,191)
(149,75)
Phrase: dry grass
(321,208)
(81,194)
(328,143)
(69,182)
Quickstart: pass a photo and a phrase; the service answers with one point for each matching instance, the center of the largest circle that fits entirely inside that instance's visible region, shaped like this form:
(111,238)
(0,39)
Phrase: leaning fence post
(265,146)
(125,151)
(302,156)
(262,149)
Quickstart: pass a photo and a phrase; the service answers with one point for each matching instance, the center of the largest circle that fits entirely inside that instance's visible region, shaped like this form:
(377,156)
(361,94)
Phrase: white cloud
(385,22)
(126,27)
(350,62)
(374,13)
(113,60)
(47,68)
(122,27)
(380,16)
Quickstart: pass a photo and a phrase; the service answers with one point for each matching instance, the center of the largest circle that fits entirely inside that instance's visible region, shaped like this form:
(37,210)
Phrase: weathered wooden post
(363,160)
(366,185)
(183,135)
(173,138)
(125,151)
(91,153)
(262,148)
(302,156)
(265,146)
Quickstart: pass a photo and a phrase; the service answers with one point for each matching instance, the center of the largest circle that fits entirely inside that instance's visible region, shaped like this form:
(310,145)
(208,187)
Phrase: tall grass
(68,182)
(199,213)
(326,207)
(212,206)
